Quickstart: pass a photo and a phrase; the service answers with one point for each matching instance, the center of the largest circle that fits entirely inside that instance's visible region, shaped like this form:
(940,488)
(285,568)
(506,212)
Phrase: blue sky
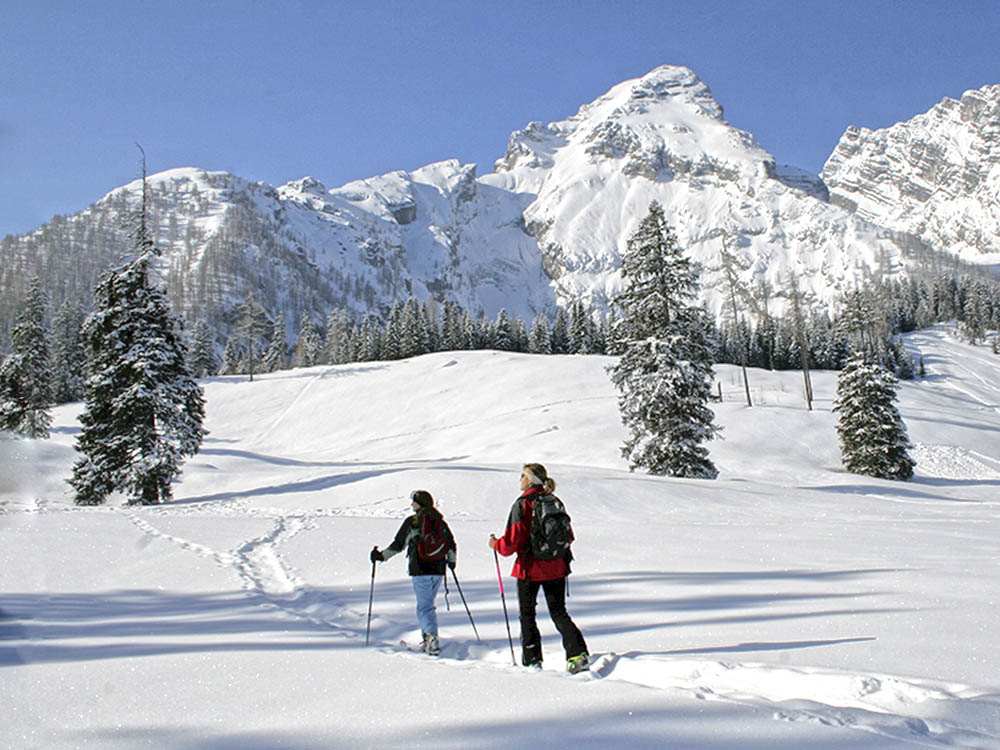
(274,91)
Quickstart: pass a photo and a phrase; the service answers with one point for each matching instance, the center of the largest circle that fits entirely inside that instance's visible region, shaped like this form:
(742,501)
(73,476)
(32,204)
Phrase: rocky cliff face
(936,176)
(662,137)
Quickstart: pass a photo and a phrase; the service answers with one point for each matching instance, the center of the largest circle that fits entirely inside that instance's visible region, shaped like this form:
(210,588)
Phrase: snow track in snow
(919,711)
(257,561)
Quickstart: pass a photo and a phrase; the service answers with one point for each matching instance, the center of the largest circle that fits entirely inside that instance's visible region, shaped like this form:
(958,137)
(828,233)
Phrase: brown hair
(426,502)
(537,471)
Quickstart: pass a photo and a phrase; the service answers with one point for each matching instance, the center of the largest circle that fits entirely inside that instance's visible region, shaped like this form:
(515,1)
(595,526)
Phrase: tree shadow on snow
(71,627)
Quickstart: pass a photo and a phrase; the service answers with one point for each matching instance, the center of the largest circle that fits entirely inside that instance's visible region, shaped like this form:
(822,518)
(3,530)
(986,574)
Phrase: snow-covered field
(787,604)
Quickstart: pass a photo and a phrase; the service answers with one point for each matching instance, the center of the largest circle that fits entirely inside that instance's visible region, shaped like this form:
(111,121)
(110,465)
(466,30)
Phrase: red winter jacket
(515,540)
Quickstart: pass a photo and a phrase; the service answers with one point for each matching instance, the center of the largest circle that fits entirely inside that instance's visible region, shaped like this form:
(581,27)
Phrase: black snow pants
(555,598)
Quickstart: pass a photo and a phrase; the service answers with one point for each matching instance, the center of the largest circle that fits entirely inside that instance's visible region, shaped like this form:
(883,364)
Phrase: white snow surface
(787,604)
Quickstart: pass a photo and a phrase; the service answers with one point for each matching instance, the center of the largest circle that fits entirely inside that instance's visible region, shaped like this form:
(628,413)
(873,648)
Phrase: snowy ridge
(545,229)
(936,176)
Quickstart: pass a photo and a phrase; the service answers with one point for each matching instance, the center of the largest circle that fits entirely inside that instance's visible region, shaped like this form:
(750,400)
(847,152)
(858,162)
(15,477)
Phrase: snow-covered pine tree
(873,439)
(518,334)
(538,337)
(559,337)
(143,411)
(503,334)
(232,357)
(276,356)
(25,381)
(452,337)
(664,375)
(581,332)
(69,358)
(202,359)
(391,337)
(413,333)
(307,349)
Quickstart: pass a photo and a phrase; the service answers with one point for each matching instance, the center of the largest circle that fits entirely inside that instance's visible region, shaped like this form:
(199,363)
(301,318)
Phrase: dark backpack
(432,544)
(550,535)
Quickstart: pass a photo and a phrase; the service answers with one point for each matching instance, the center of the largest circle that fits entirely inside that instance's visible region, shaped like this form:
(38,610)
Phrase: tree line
(132,350)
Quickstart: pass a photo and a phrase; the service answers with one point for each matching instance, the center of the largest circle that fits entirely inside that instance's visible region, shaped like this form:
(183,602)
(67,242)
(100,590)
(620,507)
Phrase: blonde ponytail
(540,477)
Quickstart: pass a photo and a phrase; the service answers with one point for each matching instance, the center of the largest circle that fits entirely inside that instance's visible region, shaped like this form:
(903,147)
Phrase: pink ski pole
(510,638)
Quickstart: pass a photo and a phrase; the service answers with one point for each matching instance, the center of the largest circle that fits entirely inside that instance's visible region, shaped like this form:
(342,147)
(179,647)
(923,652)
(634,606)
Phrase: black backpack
(432,544)
(550,535)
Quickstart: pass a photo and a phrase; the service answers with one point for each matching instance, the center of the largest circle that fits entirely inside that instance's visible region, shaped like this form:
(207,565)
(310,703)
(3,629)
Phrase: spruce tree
(69,357)
(538,337)
(307,349)
(580,329)
(25,381)
(664,374)
(452,337)
(559,337)
(873,438)
(276,356)
(202,358)
(232,357)
(503,333)
(143,411)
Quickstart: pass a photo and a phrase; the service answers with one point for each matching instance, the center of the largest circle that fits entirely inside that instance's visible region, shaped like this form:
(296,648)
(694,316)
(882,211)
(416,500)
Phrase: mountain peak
(936,176)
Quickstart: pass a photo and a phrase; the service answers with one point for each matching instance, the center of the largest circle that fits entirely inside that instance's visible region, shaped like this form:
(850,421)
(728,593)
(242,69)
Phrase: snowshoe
(578,663)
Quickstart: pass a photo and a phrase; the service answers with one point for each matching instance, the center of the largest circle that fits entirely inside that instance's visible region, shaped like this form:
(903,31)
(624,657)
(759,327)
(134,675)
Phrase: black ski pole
(510,638)
(371,598)
(459,587)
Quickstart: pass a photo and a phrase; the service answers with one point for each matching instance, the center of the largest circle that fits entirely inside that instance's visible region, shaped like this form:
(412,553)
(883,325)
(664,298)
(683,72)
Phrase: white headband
(531,476)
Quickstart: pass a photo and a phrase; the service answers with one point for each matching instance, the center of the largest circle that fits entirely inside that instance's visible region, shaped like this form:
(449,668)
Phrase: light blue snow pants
(426,588)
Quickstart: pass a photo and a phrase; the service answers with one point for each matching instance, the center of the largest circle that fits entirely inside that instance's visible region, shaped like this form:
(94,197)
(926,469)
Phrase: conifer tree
(276,356)
(25,381)
(143,411)
(231,358)
(69,357)
(560,333)
(452,337)
(336,345)
(413,334)
(538,336)
(873,438)
(391,339)
(203,361)
(503,334)
(580,329)
(307,349)
(664,375)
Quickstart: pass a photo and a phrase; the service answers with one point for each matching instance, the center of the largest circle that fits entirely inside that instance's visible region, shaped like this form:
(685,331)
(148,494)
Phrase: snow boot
(578,663)
(431,644)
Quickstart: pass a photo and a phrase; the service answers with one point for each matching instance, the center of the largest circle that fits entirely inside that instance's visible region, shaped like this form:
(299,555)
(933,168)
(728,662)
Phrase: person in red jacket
(532,574)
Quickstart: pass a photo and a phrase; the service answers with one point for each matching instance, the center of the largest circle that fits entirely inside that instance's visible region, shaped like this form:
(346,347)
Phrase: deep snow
(787,604)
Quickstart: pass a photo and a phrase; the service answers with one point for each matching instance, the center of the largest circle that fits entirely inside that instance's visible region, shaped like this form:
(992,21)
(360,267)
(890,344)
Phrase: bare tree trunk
(727,261)
(800,335)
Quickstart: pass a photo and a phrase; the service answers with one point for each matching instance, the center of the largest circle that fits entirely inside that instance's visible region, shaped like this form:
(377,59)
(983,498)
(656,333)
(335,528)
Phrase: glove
(376,556)
(451,565)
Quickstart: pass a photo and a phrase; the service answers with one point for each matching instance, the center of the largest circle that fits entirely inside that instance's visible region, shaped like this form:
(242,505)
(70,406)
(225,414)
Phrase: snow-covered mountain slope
(936,176)
(662,137)
(545,229)
(786,604)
